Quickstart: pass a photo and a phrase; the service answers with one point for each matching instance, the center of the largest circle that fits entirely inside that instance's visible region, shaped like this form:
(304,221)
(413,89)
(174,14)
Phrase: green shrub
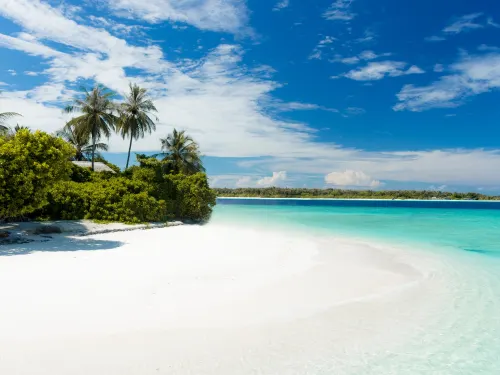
(30,163)
(192,198)
(117,199)
(79,174)
(68,200)
(143,208)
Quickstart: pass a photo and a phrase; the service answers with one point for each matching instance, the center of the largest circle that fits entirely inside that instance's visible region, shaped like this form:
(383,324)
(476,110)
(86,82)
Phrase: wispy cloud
(492,23)
(435,38)
(340,10)
(317,53)
(468,22)
(484,47)
(375,71)
(471,75)
(229,15)
(368,36)
(297,106)
(116,27)
(12,72)
(363,56)
(354,111)
(438,68)
(464,23)
(281,5)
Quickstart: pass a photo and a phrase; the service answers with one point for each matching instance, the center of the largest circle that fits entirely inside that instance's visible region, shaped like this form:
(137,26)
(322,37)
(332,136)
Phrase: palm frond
(183,152)
(4,116)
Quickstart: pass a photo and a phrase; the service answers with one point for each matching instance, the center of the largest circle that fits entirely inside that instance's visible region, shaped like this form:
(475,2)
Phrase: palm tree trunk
(129,148)
(93,148)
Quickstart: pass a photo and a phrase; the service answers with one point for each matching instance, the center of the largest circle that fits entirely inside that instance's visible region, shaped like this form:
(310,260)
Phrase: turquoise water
(464,337)
(461,229)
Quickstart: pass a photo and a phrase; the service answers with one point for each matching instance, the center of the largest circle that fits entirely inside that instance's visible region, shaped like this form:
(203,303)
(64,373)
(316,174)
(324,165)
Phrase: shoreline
(369,199)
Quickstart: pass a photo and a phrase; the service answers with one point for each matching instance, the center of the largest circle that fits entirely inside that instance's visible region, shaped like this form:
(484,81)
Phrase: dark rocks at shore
(48,229)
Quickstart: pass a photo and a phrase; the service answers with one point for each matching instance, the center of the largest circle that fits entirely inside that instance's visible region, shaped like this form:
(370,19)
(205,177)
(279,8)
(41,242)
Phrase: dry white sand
(207,300)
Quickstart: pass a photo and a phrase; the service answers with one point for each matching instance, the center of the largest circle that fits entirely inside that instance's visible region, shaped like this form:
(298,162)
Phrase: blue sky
(350,94)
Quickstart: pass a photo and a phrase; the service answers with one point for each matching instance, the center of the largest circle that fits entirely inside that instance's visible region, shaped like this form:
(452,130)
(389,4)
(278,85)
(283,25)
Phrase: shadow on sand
(59,245)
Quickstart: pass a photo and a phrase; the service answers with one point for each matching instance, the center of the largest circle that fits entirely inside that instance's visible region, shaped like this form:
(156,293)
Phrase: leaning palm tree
(80,142)
(97,117)
(134,119)
(4,116)
(182,153)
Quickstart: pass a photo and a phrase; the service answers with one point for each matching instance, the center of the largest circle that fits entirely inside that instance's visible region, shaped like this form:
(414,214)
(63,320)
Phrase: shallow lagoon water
(463,335)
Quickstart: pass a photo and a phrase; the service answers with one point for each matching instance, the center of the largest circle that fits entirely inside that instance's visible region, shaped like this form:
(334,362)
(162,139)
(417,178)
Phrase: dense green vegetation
(274,192)
(39,181)
(30,163)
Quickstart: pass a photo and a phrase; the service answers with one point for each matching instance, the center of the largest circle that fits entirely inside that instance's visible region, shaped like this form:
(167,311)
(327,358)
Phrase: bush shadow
(69,240)
(59,244)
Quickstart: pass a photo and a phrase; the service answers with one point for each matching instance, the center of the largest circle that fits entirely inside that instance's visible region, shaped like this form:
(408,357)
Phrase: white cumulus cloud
(351,178)
(274,180)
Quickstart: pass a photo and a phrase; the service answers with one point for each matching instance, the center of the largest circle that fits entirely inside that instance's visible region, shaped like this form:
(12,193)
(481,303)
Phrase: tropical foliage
(97,116)
(135,112)
(30,164)
(38,179)
(182,153)
(139,195)
(115,199)
(4,116)
(81,142)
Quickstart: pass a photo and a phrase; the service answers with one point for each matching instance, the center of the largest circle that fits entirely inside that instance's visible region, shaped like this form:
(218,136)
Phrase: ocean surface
(463,337)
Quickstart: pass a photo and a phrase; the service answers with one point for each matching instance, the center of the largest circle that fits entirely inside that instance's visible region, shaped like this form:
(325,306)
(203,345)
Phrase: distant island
(275,192)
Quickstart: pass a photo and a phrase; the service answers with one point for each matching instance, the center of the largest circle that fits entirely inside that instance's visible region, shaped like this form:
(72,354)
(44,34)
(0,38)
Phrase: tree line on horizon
(277,192)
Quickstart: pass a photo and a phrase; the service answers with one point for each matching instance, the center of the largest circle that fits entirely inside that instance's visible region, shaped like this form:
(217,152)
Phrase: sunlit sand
(206,300)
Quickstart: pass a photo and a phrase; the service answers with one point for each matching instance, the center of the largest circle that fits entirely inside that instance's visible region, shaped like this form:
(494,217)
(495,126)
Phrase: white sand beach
(207,300)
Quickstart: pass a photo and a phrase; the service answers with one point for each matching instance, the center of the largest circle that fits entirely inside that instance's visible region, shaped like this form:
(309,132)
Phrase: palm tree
(134,116)
(80,142)
(5,116)
(182,153)
(97,118)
